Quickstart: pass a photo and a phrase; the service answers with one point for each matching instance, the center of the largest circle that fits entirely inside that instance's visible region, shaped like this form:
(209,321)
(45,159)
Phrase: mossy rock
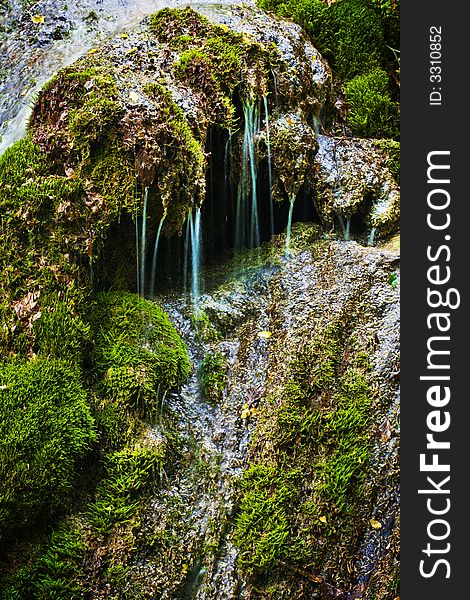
(128,473)
(301,497)
(47,429)
(137,351)
(104,125)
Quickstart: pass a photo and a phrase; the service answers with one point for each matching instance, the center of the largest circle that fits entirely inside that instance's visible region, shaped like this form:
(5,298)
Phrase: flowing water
(239,306)
(247,230)
(154,258)
(289,224)
(217,435)
(270,167)
(143,242)
(196,256)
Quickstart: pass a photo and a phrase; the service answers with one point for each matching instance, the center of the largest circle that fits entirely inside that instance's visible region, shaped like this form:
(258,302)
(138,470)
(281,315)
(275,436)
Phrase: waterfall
(196,253)
(270,171)
(247,218)
(187,243)
(227,160)
(371,239)
(137,261)
(154,259)
(345,226)
(143,243)
(289,223)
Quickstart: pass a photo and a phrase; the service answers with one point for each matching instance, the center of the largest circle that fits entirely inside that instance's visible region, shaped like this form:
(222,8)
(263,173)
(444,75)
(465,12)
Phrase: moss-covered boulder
(142,104)
(136,349)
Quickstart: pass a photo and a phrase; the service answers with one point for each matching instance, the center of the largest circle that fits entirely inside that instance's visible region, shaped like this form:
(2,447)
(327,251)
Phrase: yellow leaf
(375,524)
(246,411)
(38,19)
(124,36)
(265,335)
(134,97)
(185,568)
(131,50)
(92,50)
(323,519)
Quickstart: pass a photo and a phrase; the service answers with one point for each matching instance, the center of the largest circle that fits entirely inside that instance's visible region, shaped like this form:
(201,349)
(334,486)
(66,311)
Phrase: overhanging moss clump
(103,126)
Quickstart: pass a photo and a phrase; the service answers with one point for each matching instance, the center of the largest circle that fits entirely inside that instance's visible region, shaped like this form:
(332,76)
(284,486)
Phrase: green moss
(46,429)
(262,526)
(86,133)
(347,32)
(184,155)
(309,455)
(212,58)
(44,231)
(205,330)
(137,351)
(342,472)
(128,473)
(212,375)
(61,333)
(371,110)
(57,572)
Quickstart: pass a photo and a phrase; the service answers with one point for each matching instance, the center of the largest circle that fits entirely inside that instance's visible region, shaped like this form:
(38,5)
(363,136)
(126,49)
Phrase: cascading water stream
(137,253)
(196,256)
(289,224)
(270,171)
(247,231)
(143,243)
(187,248)
(154,258)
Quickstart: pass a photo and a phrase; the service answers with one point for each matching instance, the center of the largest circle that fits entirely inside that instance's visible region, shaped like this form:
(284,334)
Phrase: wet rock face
(324,455)
(352,178)
(257,508)
(147,99)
